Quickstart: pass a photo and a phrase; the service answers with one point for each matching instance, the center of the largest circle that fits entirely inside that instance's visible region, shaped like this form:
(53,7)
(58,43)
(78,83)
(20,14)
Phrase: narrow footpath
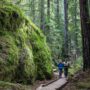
(54,85)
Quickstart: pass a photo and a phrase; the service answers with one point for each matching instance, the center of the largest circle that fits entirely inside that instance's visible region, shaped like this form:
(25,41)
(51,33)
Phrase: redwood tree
(85,25)
(66,29)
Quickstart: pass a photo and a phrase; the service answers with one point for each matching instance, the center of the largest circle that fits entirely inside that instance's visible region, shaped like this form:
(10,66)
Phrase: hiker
(66,66)
(60,67)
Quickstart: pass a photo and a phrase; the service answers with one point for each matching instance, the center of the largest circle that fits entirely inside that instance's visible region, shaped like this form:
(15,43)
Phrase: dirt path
(54,85)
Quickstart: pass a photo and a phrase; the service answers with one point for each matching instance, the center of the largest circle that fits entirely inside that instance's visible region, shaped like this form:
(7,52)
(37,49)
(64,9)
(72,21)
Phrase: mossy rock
(24,54)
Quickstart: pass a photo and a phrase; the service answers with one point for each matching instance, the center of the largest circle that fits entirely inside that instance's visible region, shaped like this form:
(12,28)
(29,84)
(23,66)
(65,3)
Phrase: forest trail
(54,85)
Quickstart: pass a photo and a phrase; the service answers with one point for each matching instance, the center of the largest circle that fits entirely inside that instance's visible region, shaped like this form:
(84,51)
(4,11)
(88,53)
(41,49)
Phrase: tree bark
(57,14)
(48,14)
(76,30)
(47,31)
(66,29)
(42,15)
(48,9)
(85,25)
(33,10)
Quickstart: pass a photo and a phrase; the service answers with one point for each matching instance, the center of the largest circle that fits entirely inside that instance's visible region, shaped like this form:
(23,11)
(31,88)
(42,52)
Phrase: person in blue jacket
(60,67)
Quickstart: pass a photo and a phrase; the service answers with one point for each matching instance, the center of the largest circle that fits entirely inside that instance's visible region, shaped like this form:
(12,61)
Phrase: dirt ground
(80,81)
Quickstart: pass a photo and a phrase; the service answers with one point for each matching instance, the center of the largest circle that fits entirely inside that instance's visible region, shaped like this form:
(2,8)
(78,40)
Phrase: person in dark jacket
(66,66)
(60,67)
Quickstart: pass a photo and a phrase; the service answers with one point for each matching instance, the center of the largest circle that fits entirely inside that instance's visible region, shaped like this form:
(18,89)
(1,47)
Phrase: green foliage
(76,66)
(11,86)
(24,54)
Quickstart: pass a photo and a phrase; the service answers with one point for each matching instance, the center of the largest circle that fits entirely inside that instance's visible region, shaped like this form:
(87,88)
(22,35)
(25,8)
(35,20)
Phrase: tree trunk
(89,7)
(33,10)
(85,25)
(66,29)
(76,29)
(48,10)
(47,31)
(42,14)
(57,14)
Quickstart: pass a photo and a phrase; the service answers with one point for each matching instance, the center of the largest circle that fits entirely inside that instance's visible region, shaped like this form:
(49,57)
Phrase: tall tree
(85,25)
(57,13)
(65,28)
(89,7)
(76,28)
(33,10)
(48,12)
(47,31)
(42,14)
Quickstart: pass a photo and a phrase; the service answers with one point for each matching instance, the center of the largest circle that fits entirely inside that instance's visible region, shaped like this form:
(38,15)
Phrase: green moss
(12,17)
(42,54)
(24,54)
(8,56)
(12,86)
